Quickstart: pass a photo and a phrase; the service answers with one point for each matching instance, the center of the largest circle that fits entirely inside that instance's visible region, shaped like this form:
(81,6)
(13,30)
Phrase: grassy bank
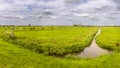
(54,42)
(109,38)
(12,56)
(16,55)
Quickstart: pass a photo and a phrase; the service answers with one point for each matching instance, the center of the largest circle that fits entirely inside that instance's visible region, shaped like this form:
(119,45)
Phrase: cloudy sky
(59,12)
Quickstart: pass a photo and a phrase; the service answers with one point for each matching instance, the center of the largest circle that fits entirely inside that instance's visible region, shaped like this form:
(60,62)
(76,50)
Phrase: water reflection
(93,50)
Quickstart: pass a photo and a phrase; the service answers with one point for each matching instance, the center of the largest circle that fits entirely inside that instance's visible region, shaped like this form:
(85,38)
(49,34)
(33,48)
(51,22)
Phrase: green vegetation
(12,56)
(22,50)
(58,41)
(109,38)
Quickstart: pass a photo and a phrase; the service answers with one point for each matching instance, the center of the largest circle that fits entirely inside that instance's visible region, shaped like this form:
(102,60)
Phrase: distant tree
(29,25)
(75,25)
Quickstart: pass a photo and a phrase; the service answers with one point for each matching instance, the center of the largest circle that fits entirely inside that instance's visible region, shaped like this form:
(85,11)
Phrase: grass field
(57,41)
(109,38)
(19,55)
(12,56)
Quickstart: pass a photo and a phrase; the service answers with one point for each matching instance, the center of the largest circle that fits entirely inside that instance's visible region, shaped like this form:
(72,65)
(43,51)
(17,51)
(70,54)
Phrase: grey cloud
(74,2)
(117,3)
(47,12)
(59,12)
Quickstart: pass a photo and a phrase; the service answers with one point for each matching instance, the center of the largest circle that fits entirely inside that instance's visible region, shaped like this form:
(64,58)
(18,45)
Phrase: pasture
(54,46)
(109,38)
(58,41)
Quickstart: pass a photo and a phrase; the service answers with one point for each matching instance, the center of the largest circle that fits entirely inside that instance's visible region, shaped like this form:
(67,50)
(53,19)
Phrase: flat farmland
(54,40)
(32,47)
(109,38)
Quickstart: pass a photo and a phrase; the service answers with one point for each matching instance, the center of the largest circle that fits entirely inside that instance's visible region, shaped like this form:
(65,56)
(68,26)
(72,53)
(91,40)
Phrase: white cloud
(81,15)
(64,10)
(93,4)
(24,2)
(54,17)
(52,4)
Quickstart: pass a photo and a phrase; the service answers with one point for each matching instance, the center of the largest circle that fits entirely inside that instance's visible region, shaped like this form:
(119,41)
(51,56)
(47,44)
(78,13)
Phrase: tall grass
(14,56)
(109,38)
(55,42)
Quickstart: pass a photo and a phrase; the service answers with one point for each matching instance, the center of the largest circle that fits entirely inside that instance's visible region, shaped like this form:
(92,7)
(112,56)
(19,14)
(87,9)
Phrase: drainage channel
(93,50)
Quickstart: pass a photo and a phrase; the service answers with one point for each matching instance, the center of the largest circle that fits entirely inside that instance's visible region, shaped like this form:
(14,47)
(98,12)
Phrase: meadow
(57,41)
(109,38)
(13,56)
(23,47)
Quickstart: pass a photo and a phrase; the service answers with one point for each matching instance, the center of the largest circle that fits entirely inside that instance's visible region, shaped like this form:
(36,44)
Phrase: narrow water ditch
(93,50)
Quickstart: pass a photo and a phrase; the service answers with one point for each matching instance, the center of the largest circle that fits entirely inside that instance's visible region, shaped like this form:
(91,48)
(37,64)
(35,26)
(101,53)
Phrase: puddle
(93,50)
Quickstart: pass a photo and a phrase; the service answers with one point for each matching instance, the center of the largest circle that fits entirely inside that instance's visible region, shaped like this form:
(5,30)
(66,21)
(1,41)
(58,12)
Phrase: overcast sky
(59,12)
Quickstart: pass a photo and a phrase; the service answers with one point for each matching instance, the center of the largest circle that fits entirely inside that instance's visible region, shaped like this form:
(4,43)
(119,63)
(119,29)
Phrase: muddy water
(93,50)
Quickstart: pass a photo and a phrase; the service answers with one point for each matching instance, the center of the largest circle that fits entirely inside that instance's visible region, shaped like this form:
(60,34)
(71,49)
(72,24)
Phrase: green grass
(14,56)
(109,38)
(63,37)
(55,42)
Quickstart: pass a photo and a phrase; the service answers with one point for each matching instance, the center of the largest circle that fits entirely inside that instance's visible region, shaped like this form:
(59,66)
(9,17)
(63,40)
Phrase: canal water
(93,50)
